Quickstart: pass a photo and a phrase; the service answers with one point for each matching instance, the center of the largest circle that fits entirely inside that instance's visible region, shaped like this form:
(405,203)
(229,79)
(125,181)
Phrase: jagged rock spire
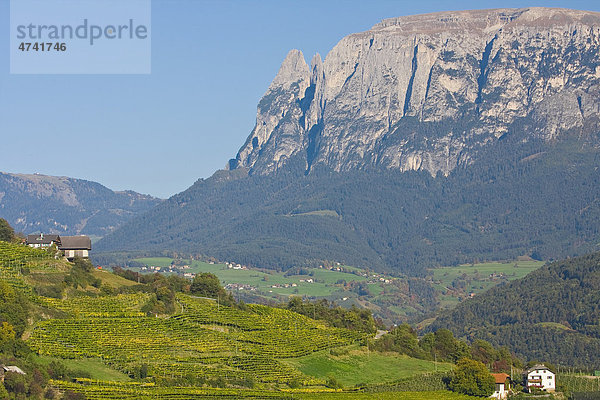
(424,92)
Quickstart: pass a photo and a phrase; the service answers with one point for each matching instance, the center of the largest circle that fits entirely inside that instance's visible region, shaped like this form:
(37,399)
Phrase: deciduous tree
(472,378)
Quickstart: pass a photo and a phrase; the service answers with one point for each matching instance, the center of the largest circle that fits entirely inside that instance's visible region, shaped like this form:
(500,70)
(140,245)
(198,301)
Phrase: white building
(75,246)
(11,368)
(539,376)
(42,241)
(502,386)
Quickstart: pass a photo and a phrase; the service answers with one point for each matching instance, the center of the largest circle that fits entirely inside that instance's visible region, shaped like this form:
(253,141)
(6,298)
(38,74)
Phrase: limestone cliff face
(425,92)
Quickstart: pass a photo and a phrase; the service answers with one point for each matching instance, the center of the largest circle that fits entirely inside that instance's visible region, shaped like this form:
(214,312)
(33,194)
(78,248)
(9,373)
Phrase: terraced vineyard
(112,390)
(205,338)
(204,350)
(14,258)
(122,305)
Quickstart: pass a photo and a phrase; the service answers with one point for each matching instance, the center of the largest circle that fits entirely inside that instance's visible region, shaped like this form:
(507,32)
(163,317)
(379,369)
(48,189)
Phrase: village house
(502,386)
(71,246)
(75,246)
(41,241)
(540,377)
(11,368)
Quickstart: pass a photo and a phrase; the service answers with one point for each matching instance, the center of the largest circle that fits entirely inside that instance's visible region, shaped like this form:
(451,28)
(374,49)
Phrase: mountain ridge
(52,204)
(354,109)
(555,307)
(432,148)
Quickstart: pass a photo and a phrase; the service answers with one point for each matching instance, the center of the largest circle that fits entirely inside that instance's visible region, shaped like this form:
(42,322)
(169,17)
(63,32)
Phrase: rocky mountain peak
(293,69)
(425,92)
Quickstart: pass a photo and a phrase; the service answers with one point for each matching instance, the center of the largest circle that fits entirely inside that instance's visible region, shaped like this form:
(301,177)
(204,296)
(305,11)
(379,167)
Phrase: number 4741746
(41,46)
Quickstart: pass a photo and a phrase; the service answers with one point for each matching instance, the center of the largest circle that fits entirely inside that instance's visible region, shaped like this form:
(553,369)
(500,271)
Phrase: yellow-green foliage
(122,305)
(14,258)
(437,395)
(204,339)
(132,390)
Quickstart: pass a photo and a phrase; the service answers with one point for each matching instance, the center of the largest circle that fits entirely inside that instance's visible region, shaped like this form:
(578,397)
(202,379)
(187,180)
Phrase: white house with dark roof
(75,246)
(42,241)
(540,377)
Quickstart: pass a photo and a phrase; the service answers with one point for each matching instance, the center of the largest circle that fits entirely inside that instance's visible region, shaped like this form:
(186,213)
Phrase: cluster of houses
(537,377)
(285,285)
(177,269)
(71,246)
(235,266)
(374,278)
(240,286)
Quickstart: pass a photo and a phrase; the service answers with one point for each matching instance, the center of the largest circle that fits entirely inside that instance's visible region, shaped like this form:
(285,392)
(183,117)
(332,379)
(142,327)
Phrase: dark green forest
(519,196)
(7,233)
(552,314)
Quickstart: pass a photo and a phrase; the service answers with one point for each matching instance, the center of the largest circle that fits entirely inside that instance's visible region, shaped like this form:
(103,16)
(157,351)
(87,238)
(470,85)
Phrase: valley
(105,336)
(393,298)
(413,216)
(115,338)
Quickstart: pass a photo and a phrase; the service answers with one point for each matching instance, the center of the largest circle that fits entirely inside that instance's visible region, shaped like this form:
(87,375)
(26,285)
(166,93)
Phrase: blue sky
(211,63)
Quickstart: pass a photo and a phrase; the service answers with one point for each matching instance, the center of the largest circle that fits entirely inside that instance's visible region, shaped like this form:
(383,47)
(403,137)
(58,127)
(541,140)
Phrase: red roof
(500,378)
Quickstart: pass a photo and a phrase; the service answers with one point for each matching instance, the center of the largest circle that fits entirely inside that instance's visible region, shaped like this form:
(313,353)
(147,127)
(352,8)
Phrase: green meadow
(452,284)
(323,285)
(361,367)
(456,283)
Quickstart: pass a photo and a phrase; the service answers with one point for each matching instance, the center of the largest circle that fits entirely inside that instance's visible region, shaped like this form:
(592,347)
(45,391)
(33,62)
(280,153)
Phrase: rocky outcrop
(278,133)
(426,92)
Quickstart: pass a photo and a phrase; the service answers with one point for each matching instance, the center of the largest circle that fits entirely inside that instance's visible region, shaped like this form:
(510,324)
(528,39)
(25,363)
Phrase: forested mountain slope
(531,198)
(552,314)
(427,140)
(50,204)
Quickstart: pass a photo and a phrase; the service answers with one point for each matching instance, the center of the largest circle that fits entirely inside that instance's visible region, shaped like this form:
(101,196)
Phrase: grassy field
(111,279)
(321,213)
(456,283)
(512,269)
(94,366)
(452,284)
(363,367)
(156,261)
(323,285)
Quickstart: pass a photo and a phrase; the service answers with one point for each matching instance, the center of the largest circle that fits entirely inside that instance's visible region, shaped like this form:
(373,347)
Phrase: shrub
(333,383)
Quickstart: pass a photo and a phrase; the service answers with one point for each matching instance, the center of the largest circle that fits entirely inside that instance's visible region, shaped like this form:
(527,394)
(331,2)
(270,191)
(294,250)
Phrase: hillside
(475,138)
(50,204)
(509,204)
(95,333)
(551,314)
